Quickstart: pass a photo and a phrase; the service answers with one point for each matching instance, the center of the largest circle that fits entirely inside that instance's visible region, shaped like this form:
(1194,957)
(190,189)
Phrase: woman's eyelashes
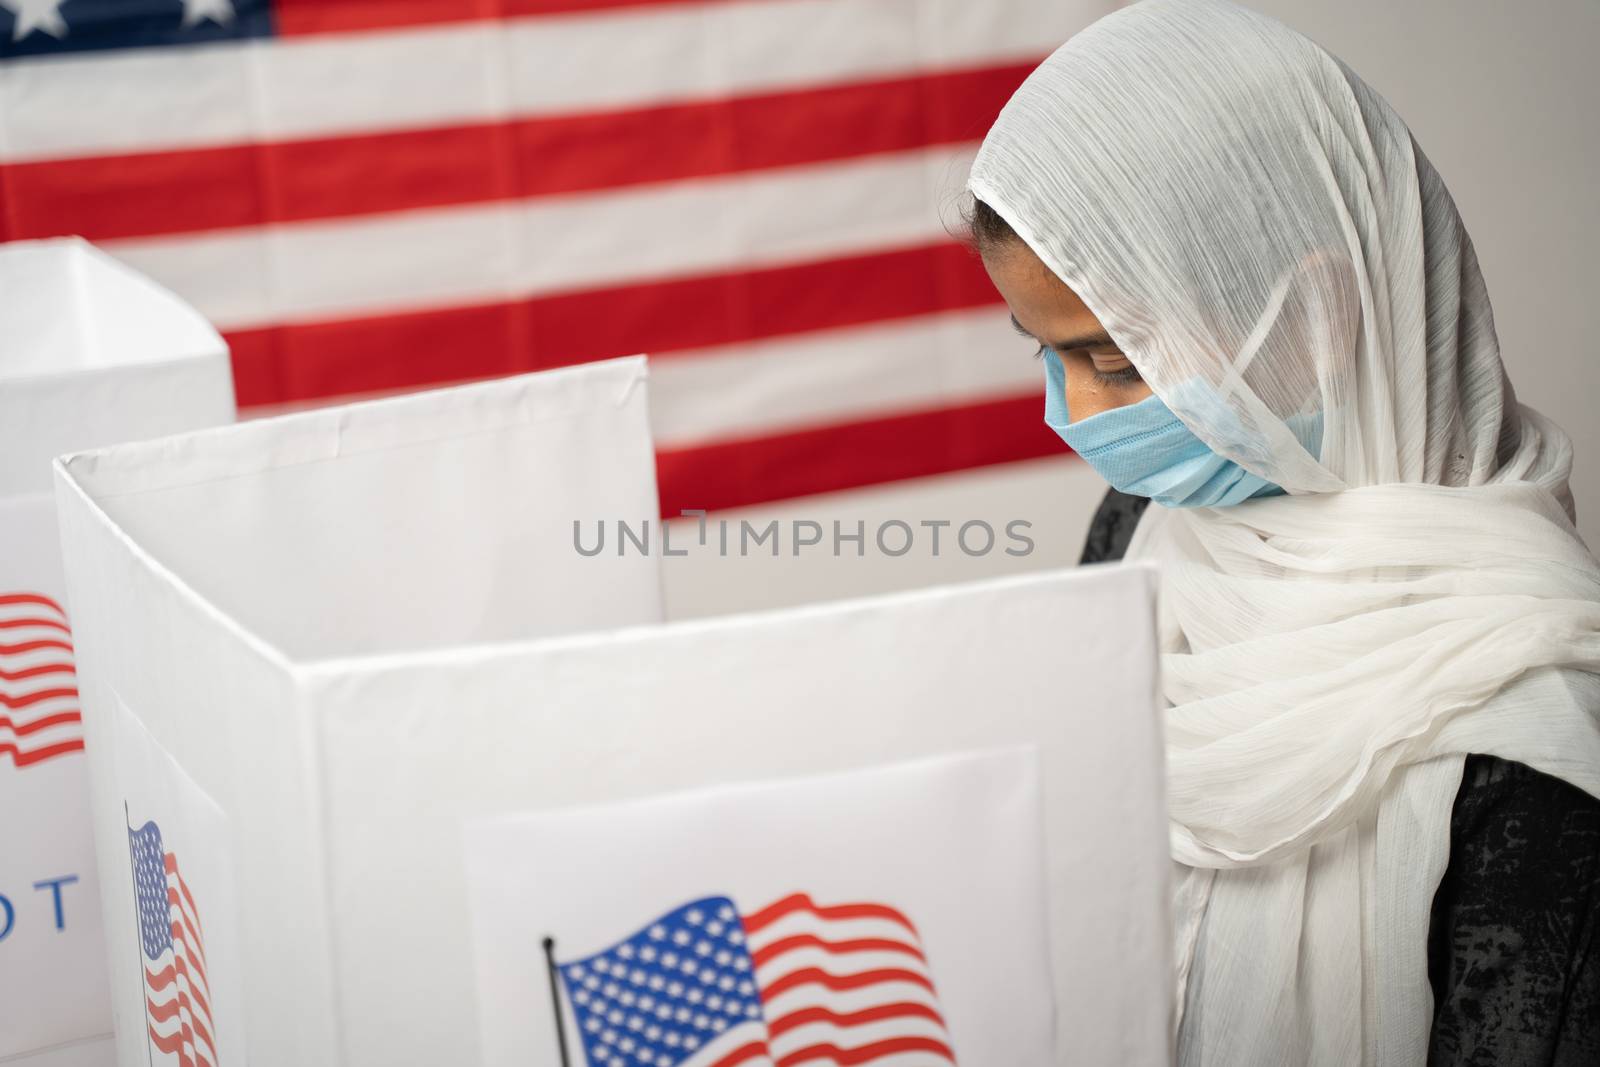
(1120,376)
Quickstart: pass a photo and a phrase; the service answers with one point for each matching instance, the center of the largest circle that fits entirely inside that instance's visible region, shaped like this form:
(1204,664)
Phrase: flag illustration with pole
(177,995)
(706,985)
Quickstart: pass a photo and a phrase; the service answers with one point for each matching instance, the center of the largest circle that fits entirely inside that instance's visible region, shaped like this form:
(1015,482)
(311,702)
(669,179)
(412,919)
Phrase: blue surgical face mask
(1144,450)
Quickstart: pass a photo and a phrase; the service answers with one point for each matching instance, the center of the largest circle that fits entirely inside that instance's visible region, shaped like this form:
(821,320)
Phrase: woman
(1258,307)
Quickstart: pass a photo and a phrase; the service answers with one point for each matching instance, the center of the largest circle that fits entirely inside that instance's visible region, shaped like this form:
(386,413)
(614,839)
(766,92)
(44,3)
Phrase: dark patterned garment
(1514,940)
(1514,945)
(1112,527)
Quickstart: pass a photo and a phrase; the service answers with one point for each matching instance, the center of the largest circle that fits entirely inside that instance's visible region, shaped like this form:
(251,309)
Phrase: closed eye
(1121,376)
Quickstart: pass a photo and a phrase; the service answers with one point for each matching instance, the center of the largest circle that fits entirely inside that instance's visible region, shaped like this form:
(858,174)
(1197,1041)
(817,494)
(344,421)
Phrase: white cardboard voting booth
(337,667)
(91,354)
(213,566)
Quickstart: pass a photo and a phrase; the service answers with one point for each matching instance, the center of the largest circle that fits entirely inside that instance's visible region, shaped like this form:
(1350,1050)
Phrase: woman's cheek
(1088,395)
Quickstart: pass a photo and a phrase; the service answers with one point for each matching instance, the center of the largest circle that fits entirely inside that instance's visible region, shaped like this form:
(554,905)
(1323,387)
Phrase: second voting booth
(91,354)
(394,774)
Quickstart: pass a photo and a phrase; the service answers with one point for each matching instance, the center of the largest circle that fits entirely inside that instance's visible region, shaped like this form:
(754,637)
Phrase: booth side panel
(1064,662)
(203,786)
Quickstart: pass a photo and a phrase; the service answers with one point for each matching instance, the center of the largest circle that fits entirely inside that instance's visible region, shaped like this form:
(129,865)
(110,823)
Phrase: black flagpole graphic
(555,997)
(138,936)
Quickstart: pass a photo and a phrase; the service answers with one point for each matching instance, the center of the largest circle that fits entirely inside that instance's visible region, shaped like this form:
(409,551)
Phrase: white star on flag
(41,15)
(218,11)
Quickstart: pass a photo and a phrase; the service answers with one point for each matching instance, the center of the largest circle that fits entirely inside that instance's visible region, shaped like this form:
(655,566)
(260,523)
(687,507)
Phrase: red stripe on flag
(104,197)
(280,364)
(30,699)
(202,1036)
(190,190)
(36,672)
(28,757)
(848,1057)
(17,624)
(843,982)
(297,17)
(796,902)
(742,1054)
(734,474)
(162,1012)
(192,916)
(44,722)
(175,1045)
(833,948)
(33,646)
(184,930)
(30,598)
(189,994)
(901,1010)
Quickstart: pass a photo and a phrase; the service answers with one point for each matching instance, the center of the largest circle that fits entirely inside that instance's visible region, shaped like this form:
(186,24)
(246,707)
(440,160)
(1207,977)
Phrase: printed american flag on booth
(39,716)
(371,196)
(708,986)
(177,994)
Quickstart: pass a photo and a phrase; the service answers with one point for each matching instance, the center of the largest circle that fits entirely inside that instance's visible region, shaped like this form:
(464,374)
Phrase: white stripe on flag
(833,376)
(490,252)
(143,100)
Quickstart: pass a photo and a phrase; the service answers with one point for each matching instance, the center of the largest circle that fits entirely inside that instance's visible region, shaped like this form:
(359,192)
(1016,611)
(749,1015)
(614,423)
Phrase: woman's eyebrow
(1095,337)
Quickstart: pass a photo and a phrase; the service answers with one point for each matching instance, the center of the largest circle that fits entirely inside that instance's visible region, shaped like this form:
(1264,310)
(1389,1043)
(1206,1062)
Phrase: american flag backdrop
(372,195)
(39,716)
(177,993)
(793,982)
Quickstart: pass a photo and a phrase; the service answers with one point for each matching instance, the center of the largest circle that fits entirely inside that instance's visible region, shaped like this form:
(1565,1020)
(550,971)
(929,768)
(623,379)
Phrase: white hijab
(1263,237)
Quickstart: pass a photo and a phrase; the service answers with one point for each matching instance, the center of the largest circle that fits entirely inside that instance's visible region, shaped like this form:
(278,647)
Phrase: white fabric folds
(1259,231)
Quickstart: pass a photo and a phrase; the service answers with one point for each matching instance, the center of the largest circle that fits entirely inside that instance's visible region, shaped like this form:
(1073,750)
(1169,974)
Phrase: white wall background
(1503,98)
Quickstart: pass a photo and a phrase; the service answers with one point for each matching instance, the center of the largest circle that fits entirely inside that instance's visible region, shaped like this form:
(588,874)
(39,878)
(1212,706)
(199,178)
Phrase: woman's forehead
(1042,305)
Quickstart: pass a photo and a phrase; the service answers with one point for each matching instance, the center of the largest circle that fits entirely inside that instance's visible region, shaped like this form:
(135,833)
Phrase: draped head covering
(1266,242)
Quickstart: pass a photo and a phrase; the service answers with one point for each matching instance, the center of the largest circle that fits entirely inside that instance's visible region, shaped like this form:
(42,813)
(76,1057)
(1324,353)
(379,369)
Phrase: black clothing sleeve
(1513,954)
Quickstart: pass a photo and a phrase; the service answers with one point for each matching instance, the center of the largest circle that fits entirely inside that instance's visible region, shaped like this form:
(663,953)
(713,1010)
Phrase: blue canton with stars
(667,991)
(150,889)
(46,27)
